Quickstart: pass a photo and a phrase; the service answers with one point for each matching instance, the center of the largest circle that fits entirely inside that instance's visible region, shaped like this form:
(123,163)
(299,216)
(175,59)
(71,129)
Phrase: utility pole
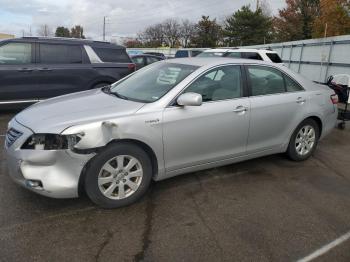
(104,28)
(257,5)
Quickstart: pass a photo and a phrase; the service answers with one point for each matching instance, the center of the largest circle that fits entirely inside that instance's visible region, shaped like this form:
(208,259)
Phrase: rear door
(16,72)
(61,70)
(277,107)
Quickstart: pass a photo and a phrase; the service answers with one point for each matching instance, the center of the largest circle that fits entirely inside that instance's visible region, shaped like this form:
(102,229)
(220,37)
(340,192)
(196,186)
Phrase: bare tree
(152,36)
(44,30)
(187,30)
(172,30)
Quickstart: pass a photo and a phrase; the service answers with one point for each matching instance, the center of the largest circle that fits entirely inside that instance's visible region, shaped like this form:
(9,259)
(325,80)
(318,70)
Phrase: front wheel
(304,140)
(118,176)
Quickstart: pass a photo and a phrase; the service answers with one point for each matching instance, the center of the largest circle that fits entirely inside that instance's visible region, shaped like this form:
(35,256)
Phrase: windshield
(152,82)
(211,54)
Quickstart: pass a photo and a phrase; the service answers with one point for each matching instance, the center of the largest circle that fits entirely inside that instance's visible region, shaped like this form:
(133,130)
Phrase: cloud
(124,18)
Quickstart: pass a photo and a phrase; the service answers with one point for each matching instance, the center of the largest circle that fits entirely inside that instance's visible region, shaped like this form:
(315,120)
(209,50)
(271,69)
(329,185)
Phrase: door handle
(25,70)
(240,109)
(300,100)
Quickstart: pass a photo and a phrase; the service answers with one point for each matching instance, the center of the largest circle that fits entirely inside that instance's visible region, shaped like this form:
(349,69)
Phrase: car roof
(212,61)
(64,40)
(233,50)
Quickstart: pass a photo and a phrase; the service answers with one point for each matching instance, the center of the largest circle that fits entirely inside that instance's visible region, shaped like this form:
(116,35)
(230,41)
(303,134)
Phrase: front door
(216,130)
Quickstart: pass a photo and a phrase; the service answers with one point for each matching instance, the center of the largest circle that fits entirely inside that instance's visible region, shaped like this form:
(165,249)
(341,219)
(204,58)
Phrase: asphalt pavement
(267,209)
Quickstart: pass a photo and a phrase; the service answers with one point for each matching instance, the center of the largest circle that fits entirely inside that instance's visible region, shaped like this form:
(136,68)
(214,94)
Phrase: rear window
(274,57)
(181,53)
(113,55)
(251,55)
(60,54)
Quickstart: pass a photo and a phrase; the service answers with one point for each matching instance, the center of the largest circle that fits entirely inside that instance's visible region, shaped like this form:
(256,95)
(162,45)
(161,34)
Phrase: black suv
(33,68)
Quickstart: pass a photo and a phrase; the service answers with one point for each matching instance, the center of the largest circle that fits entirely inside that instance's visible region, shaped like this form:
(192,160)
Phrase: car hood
(56,114)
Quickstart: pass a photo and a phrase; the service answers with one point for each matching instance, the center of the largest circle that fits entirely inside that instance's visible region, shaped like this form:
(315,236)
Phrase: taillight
(334,99)
(132,67)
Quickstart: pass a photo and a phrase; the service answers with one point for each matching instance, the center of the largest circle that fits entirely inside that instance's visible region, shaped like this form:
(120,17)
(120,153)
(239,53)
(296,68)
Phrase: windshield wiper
(119,95)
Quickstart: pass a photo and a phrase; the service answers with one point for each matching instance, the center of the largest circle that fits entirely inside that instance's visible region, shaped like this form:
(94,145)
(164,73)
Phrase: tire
(110,184)
(304,140)
(99,85)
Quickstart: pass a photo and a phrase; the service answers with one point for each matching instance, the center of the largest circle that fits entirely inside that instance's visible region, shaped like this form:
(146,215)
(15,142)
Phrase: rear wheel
(304,140)
(118,176)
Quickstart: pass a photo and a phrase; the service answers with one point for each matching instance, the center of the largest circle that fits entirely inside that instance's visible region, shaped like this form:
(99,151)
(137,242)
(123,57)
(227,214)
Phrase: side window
(60,54)
(291,85)
(234,54)
(16,53)
(151,60)
(181,53)
(251,55)
(138,61)
(265,80)
(113,55)
(218,84)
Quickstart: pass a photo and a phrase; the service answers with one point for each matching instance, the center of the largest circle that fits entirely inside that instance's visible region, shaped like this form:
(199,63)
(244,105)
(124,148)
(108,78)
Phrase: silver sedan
(170,118)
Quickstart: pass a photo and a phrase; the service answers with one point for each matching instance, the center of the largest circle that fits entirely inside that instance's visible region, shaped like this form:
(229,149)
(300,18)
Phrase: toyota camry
(172,117)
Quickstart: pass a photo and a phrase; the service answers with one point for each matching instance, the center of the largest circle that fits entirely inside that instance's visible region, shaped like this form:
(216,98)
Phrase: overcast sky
(125,17)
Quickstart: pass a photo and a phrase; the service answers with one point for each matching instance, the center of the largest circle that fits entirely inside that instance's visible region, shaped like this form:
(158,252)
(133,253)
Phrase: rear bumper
(57,171)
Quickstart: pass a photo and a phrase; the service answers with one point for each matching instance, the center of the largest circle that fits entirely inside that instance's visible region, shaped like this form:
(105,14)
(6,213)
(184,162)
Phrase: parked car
(187,53)
(156,54)
(170,118)
(144,60)
(34,68)
(256,54)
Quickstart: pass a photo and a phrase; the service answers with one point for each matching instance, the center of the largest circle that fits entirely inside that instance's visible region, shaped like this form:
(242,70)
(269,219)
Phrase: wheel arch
(149,151)
(318,121)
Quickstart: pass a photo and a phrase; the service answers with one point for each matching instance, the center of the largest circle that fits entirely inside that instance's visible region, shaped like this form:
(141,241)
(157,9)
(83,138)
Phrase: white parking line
(323,250)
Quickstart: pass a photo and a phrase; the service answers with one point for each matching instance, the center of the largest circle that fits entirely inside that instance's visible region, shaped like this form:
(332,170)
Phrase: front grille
(11,136)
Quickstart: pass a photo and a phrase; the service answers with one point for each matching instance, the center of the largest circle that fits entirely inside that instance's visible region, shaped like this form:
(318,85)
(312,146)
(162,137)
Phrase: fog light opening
(36,184)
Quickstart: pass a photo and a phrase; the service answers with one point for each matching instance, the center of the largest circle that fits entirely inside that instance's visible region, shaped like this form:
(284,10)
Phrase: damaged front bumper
(52,173)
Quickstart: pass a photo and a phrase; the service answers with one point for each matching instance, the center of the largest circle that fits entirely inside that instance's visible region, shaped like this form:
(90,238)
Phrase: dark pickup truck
(34,68)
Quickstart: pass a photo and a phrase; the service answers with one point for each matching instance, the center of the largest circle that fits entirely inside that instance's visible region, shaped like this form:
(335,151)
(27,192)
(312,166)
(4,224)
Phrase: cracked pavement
(267,209)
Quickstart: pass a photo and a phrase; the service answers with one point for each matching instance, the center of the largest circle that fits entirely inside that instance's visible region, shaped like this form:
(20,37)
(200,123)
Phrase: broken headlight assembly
(51,142)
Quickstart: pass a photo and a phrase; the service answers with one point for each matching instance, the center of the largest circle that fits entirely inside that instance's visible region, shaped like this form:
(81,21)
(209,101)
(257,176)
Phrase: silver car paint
(183,139)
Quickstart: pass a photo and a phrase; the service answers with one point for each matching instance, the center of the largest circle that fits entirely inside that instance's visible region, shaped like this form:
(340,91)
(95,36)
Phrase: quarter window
(218,84)
(16,53)
(265,80)
(291,85)
(112,55)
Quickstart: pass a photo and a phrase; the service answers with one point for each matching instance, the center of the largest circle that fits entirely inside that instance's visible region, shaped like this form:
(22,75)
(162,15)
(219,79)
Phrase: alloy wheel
(120,177)
(305,140)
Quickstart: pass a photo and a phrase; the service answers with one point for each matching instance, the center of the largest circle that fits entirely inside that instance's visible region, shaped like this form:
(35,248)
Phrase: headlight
(51,141)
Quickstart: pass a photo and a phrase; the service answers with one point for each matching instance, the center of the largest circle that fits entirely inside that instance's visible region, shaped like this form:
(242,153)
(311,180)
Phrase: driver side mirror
(189,99)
